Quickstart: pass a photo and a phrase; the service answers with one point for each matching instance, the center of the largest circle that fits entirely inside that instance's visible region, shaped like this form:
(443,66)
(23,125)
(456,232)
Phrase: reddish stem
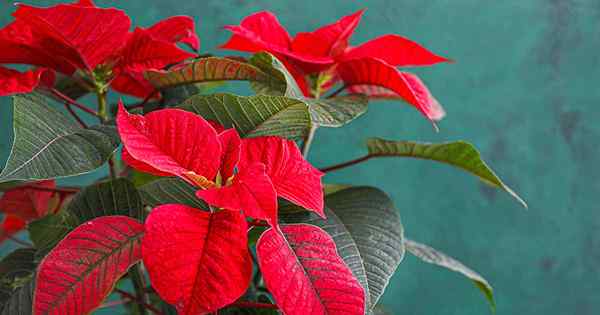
(18,241)
(72,102)
(61,199)
(136,300)
(345,164)
(256,222)
(74,114)
(144,102)
(338,91)
(247,304)
(64,190)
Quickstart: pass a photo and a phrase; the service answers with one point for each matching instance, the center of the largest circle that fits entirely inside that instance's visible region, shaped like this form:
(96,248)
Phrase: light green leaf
(433,256)
(459,154)
(21,301)
(170,190)
(118,197)
(48,145)
(367,231)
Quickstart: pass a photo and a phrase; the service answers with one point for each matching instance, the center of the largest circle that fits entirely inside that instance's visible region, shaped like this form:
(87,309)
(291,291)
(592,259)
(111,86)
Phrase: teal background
(524,89)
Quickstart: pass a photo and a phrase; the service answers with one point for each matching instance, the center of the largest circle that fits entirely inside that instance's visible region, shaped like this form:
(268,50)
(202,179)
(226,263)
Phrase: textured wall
(524,90)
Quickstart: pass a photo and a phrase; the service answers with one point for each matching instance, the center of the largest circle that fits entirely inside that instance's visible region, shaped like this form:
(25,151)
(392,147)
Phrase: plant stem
(144,102)
(145,306)
(308,140)
(345,164)
(71,102)
(246,304)
(338,91)
(65,190)
(137,278)
(104,116)
(102,108)
(74,114)
(18,241)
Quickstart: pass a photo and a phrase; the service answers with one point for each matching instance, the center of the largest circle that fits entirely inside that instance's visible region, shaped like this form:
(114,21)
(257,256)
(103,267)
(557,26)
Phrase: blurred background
(524,89)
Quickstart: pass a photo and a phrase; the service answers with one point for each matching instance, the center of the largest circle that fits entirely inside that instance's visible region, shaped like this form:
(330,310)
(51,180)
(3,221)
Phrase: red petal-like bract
(144,52)
(396,51)
(330,40)
(251,191)
(262,31)
(15,82)
(95,33)
(81,271)
(231,144)
(176,29)
(292,176)
(198,261)
(11,225)
(305,274)
(132,83)
(171,141)
(28,203)
(371,71)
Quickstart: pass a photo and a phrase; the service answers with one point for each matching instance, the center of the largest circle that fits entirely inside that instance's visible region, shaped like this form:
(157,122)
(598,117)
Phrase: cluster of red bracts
(320,59)
(93,44)
(238,179)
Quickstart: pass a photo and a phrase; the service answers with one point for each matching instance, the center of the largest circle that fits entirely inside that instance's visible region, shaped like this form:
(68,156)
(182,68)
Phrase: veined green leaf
(21,301)
(48,145)
(16,271)
(367,231)
(118,197)
(210,69)
(459,154)
(433,256)
(262,115)
(170,190)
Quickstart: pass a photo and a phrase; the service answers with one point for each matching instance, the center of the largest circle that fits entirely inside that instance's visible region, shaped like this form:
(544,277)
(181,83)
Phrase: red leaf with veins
(144,51)
(81,271)
(395,50)
(371,71)
(330,40)
(14,82)
(94,33)
(198,261)
(250,191)
(231,144)
(171,141)
(293,177)
(176,29)
(11,225)
(28,203)
(305,274)
(132,83)
(22,44)
(262,31)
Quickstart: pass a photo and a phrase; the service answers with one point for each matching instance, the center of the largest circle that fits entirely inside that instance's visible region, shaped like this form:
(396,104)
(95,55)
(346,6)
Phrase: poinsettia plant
(210,204)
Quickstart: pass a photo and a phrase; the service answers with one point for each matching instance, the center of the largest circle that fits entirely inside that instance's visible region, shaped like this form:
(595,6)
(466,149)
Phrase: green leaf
(118,197)
(262,115)
(170,190)
(210,69)
(48,145)
(459,154)
(367,231)
(21,301)
(178,94)
(16,270)
(333,188)
(275,69)
(433,256)
(258,115)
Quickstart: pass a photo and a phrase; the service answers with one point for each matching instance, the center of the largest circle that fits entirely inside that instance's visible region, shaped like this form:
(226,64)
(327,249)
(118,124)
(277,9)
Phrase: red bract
(96,41)
(197,260)
(303,271)
(326,50)
(83,268)
(178,143)
(23,204)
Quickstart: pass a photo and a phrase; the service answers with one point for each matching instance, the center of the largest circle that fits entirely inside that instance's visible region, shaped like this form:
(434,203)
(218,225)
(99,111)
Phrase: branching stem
(345,164)
(144,305)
